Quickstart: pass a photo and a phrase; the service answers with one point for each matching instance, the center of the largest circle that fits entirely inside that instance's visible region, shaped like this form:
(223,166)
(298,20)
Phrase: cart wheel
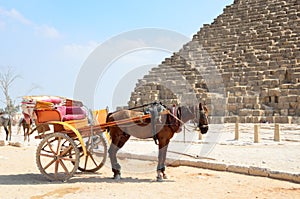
(96,154)
(57,157)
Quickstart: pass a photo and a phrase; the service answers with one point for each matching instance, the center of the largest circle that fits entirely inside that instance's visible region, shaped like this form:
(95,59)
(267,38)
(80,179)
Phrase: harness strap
(154,116)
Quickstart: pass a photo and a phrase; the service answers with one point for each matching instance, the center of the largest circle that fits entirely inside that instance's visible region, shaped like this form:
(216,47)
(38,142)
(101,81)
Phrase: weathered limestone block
(257,171)
(284,112)
(274,92)
(287,99)
(250,99)
(284,176)
(231,100)
(263,61)
(238,169)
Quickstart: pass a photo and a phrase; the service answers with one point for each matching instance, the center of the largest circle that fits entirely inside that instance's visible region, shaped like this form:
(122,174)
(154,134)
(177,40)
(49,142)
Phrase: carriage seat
(71,113)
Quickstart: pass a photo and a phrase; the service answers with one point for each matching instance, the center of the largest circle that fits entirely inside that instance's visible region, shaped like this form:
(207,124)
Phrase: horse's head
(185,114)
(203,119)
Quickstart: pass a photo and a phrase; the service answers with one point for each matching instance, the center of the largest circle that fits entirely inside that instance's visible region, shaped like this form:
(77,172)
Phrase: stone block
(231,99)
(284,176)
(238,169)
(257,171)
(274,92)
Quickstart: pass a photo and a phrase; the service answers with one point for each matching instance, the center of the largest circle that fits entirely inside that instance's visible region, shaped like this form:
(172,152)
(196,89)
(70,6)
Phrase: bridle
(202,116)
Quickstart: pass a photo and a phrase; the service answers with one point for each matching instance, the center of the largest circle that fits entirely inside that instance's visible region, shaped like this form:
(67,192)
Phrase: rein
(137,107)
(178,120)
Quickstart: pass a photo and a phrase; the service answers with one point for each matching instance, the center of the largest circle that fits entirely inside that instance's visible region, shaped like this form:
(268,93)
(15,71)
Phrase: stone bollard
(236,131)
(290,119)
(276,133)
(200,137)
(256,134)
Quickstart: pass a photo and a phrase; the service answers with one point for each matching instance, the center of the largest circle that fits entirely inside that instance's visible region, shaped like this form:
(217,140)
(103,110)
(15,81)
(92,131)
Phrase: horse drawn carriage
(76,138)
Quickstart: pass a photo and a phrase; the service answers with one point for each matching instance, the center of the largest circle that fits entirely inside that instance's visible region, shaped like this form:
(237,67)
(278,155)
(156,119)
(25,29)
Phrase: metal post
(200,136)
(184,133)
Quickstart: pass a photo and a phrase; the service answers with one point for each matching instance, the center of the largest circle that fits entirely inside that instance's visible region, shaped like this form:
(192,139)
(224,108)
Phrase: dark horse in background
(166,127)
(5,121)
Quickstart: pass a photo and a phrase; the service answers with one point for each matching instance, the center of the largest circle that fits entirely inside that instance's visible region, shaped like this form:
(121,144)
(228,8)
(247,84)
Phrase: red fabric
(73,117)
(74,110)
(54,100)
(62,110)
(71,113)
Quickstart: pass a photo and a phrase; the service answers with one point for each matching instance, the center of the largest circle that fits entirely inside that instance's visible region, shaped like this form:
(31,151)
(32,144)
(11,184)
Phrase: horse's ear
(205,109)
(200,106)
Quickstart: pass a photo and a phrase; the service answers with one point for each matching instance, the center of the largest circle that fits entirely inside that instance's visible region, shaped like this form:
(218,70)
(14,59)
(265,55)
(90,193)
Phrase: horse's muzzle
(203,129)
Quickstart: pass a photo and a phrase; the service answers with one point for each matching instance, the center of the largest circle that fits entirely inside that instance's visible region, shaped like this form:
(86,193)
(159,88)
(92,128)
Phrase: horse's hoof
(159,179)
(165,176)
(117,177)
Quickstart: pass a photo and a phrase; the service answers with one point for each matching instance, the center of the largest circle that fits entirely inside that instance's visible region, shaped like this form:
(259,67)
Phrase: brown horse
(165,127)
(26,125)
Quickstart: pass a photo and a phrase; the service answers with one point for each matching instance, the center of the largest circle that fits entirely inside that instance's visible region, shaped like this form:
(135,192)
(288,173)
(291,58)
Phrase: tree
(6,80)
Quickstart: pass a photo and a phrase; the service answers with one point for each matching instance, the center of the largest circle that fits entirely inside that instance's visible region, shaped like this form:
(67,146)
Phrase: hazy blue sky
(46,42)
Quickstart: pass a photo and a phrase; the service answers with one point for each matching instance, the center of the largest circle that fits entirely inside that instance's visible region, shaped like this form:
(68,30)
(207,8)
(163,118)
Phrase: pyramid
(244,65)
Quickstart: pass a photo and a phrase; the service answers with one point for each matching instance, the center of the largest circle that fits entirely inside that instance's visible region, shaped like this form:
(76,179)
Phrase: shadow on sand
(38,179)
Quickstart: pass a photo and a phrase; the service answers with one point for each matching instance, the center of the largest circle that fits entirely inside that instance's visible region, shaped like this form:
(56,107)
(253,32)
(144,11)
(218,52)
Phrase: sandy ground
(20,178)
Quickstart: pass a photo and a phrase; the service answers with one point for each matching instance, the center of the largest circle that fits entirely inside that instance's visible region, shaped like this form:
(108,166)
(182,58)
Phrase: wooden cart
(72,137)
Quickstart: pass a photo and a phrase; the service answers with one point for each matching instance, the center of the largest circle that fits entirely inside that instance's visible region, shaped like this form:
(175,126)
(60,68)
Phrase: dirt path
(19,178)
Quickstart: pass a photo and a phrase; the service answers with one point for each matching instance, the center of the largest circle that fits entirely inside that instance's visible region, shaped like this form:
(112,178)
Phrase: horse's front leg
(162,154)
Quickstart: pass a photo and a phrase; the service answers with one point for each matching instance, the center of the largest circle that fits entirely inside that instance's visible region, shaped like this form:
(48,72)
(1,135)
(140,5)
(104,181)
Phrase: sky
(48,43)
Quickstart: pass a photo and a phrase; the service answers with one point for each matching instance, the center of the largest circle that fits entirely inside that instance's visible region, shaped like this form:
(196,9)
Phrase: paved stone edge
(246,170)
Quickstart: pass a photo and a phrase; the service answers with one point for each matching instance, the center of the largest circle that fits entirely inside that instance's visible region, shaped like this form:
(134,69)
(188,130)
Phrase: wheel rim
(57,157)
(96,154)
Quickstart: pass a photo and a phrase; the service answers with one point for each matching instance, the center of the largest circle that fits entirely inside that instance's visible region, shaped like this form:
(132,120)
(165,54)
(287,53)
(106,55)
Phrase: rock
(2,143)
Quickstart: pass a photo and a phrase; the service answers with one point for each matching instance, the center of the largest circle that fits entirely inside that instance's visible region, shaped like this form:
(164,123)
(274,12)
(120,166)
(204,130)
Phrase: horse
(166,126)
(26,127)
(5,121)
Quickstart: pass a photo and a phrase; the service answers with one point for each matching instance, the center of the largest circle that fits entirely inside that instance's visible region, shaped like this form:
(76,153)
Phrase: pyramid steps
(248,57)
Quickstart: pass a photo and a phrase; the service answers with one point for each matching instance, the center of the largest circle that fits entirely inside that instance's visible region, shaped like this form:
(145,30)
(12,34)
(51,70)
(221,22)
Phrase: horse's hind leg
(27,132)
(118,142)
(24,130)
